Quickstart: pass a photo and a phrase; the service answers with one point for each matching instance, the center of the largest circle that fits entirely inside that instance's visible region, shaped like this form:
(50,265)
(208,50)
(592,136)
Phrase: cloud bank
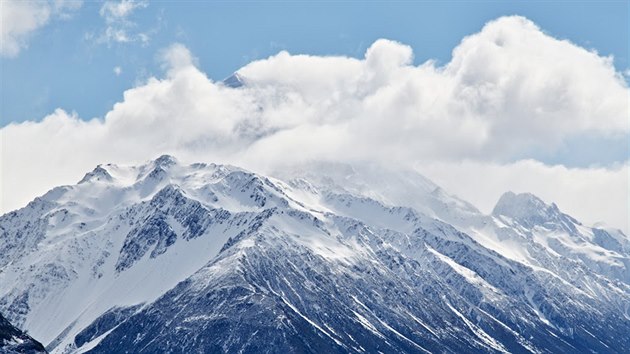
(509,90)
(19,19)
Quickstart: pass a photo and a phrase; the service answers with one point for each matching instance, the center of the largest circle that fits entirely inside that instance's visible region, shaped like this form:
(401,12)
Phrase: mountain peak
(529,211)
(520,203)
(234,81)
(165,161)
(97,174)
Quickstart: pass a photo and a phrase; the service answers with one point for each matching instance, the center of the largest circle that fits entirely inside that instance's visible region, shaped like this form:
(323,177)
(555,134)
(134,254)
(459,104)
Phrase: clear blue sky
(65,66)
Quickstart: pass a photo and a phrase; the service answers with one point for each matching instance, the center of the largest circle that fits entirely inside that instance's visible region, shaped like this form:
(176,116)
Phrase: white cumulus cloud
(508,90)
(19,19)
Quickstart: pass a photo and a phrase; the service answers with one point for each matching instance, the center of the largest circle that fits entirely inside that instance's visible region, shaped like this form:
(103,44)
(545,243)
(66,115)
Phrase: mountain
(12,340)
(171,257)
(234,81)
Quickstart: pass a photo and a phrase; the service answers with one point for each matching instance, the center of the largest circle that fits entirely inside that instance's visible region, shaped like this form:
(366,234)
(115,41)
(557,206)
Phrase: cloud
(21,18)
(509,91)
(117,70)
(119,28)
(114,11)
(176,57)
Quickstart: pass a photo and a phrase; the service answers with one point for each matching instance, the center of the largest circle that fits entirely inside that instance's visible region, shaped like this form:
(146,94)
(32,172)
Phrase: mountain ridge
(109,254)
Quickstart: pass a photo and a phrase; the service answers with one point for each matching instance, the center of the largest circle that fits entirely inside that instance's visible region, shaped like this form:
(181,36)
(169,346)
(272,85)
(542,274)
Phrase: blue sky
(66,66)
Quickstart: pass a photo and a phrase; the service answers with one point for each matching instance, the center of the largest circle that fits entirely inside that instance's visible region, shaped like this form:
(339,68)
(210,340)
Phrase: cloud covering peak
(509,90)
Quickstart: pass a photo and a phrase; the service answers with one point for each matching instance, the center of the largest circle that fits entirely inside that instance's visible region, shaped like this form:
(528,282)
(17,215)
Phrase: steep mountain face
(168,257)
(12,340)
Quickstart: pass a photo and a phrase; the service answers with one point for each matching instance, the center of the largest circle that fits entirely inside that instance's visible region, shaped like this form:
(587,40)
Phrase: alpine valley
(167,257)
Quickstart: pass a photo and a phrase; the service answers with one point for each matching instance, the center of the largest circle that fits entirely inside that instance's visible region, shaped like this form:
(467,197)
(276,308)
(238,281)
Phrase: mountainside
(12,340)
(168,257)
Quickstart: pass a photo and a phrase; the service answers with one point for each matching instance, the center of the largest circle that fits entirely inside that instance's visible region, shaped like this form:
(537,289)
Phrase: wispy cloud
(117,70)
(20,19)
(119,28)
(114,12)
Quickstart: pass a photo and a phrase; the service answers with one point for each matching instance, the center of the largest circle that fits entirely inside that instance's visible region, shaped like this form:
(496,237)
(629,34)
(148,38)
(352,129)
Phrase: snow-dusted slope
(182,258)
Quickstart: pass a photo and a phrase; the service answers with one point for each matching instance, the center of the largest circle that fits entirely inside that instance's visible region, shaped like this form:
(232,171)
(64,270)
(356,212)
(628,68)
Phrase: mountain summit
(180,258)
(531,211)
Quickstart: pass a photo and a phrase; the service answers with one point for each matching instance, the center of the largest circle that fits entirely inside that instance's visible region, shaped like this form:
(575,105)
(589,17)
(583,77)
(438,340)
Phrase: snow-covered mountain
(169,257)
